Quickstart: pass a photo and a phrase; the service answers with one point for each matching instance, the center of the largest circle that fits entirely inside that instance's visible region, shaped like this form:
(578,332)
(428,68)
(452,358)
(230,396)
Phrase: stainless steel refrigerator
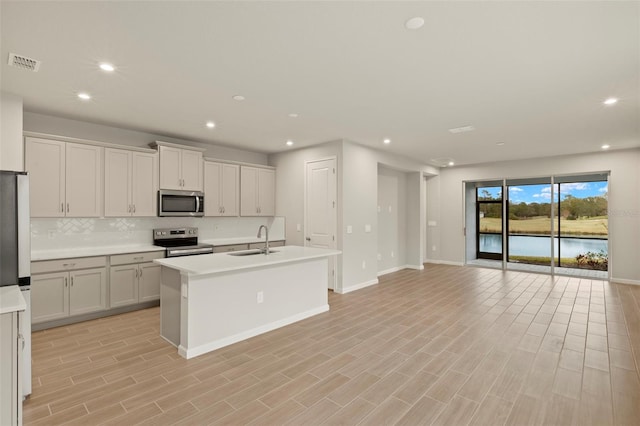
(15,252)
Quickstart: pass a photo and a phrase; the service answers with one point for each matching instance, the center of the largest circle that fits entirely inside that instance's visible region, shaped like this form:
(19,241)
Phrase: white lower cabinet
(11,343)
(60,288)
(131,283)
(61,294)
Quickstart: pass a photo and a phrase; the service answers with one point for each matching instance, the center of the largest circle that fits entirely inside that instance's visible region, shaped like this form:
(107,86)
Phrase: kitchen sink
(251,252)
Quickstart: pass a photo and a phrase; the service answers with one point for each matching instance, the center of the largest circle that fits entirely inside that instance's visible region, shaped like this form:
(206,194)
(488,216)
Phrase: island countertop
(205,264)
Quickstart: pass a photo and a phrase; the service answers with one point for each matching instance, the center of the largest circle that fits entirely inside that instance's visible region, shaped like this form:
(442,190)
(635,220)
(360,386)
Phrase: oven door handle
(190,251)
(197,204)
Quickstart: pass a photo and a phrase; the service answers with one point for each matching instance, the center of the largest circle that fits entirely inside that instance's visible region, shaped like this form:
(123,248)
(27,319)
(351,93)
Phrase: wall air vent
(23,62)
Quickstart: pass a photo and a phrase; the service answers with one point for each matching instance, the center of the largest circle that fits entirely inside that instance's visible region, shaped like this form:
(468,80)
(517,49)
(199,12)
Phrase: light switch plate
(349,229)
(298,227)
(367,228)
(432,223)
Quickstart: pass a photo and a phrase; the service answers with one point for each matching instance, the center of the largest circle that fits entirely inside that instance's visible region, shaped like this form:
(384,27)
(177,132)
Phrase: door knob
(308,238)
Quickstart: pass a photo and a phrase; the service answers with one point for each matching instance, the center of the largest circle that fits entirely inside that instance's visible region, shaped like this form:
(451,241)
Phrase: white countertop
(224,262)
(92,251)
(232,241)
(11,299)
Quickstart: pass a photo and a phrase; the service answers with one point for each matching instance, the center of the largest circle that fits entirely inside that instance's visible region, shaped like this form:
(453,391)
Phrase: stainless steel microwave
(180,203)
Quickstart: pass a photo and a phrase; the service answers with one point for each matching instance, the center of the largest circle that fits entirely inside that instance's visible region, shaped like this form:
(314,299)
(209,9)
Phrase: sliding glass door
(556,222)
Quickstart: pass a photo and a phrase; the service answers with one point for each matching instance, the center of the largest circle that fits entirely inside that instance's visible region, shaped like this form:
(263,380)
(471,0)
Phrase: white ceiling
(530,74)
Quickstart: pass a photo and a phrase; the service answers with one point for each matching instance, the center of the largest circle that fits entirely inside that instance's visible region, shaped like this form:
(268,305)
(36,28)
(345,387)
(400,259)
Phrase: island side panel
(170,305)
(223,309)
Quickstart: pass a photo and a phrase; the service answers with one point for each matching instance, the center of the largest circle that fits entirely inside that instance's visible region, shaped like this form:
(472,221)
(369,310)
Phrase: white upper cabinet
(66,178)
(131,184)
(221,188)
(257,191)
(45,162)
(144,183)
(180,168)
(192,170)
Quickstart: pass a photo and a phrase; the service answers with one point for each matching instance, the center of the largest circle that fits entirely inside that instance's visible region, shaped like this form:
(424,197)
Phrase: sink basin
(251,252)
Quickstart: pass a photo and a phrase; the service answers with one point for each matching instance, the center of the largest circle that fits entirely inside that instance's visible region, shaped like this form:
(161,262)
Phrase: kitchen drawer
(279,243)
(124,259)
(68,264)
(234,247)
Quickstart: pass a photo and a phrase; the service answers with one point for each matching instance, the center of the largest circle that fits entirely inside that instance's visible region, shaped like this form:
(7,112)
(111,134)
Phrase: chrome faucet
(266,234)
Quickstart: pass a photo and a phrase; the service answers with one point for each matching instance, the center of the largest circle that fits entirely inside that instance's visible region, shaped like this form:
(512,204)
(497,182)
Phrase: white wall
(11,147)
(357,204)
(97,132)
(624,201)
(392,219)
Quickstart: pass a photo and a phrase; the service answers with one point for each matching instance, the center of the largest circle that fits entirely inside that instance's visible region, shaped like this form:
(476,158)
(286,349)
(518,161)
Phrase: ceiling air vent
(23,62)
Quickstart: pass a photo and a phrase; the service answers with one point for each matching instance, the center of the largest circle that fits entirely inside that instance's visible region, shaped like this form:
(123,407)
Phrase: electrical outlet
(51,233)
(298,227)
(433,248)
(260,297)
(367,228)
(349,229)
(393,254)
(389,208)
(378,209)
(379,256)
(364,264)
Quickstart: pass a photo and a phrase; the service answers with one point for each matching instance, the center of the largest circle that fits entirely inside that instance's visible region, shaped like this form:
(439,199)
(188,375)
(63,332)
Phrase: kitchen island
(214,300)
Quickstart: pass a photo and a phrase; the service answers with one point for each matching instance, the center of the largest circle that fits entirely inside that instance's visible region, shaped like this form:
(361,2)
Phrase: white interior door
(320,209)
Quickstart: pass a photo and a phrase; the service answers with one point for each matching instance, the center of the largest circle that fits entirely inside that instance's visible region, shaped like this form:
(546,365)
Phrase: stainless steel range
(180,241)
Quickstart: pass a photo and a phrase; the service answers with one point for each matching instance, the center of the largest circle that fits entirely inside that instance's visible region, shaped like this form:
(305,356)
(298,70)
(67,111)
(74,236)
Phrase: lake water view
(520,245)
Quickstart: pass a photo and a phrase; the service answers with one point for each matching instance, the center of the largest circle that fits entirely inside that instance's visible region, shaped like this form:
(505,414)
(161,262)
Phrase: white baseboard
(400,268)
(444,262)
(625,281)
(220,343)
(357,286)
(390,270)
(416,267)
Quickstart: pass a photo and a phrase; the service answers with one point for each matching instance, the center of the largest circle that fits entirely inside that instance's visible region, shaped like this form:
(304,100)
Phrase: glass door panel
(584,225)
(489,222)
(529,224)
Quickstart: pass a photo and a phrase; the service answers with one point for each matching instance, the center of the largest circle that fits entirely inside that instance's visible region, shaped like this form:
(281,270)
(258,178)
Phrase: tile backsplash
(64,233)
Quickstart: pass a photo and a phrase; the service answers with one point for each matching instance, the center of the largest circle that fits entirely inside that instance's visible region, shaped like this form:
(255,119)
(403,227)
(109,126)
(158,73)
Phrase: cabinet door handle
(140,273)
(136,273)
(134,208)
(129,208)
(71,281)
(62,207)
(67,207)
(66,282)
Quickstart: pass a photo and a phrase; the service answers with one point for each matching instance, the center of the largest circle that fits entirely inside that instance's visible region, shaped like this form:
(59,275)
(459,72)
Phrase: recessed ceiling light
(414,23)
(611,101)
(386,141)
(289,143)
(500,143)
(211,124)
(462,129)
(238,98)
(451,163)
(107,67)
(606,146)
(293,115)
(84,96)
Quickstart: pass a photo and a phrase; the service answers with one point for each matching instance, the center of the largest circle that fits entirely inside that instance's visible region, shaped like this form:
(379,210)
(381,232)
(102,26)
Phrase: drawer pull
(68,265)
(138,258)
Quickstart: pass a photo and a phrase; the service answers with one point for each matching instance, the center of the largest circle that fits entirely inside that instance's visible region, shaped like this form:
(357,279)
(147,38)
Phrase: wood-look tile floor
(444,346)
